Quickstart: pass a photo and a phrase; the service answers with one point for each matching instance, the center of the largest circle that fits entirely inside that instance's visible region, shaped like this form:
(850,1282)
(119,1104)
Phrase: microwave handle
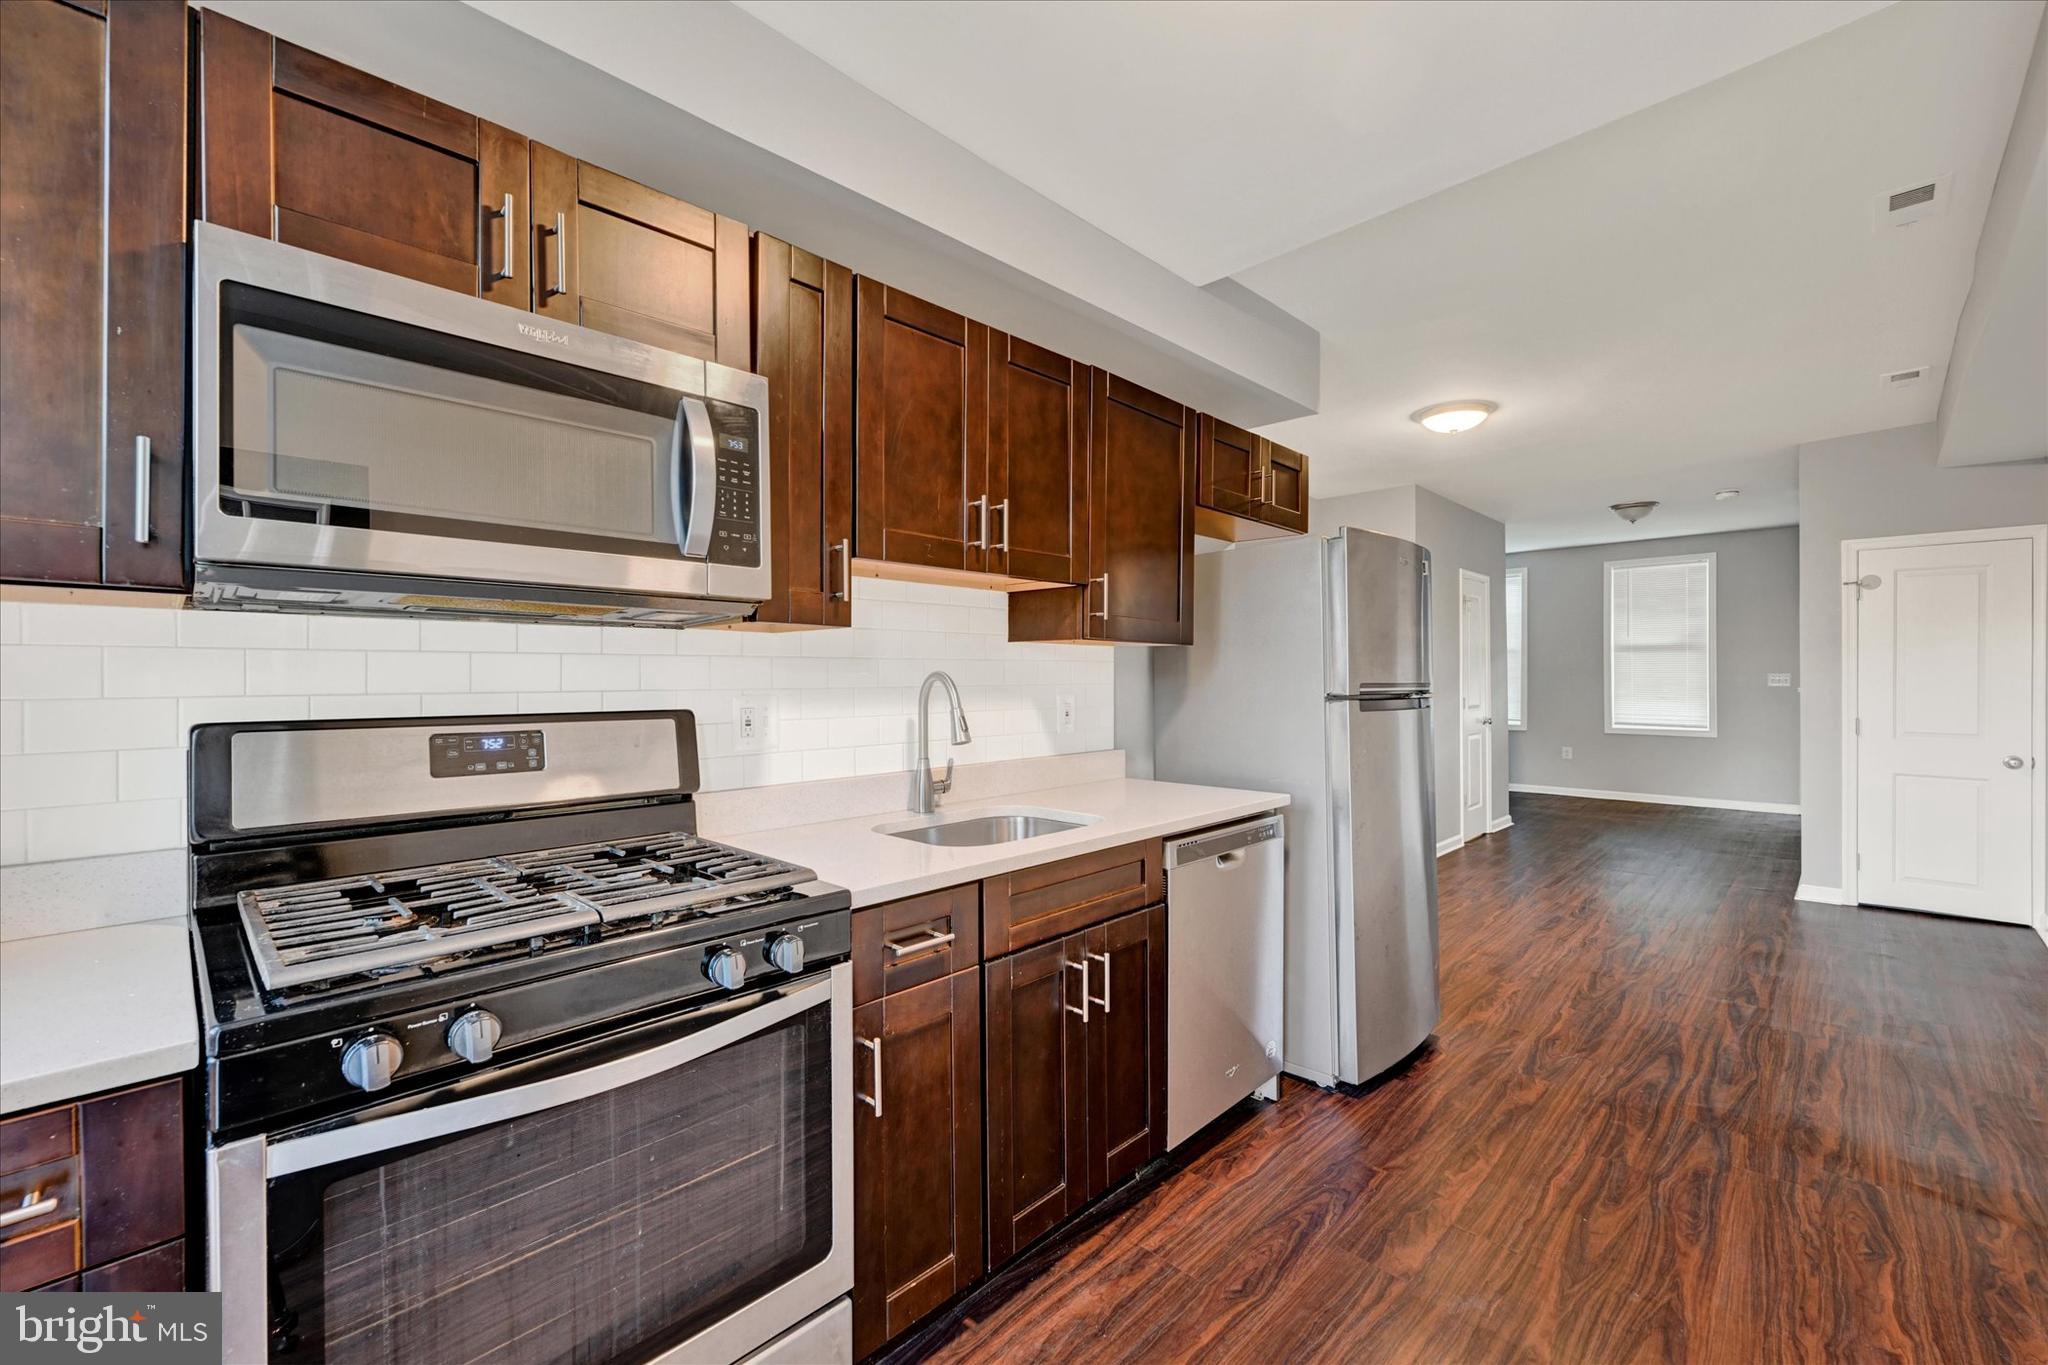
(693,428)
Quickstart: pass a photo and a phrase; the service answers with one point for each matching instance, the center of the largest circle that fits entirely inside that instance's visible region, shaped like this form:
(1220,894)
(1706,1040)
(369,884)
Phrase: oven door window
(335,418)
(606,1229)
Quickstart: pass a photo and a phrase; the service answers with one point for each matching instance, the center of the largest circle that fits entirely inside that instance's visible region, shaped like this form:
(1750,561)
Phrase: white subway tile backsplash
(108,694)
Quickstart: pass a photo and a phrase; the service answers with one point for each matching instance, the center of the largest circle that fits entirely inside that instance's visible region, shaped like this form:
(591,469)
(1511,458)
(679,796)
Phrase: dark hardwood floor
(1671,1114)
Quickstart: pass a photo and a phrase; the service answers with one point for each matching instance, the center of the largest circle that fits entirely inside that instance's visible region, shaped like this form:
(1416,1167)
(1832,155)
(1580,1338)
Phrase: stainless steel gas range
(503,1060)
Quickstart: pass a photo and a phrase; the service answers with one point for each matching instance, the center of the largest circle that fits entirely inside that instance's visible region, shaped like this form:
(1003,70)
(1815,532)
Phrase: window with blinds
(1518,649)
(1660,646)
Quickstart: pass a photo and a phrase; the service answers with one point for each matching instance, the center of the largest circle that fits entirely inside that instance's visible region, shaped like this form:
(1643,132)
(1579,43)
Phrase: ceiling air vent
(1901,379)
(1911,203)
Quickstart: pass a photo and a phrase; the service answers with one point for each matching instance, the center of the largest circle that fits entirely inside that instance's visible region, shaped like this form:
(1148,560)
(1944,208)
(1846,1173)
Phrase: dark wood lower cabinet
(1037,1076)
(917,1153)
(1126,1045)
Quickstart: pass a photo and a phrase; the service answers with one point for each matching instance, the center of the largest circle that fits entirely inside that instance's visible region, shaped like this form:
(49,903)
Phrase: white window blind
(1660,646)
(1518,649)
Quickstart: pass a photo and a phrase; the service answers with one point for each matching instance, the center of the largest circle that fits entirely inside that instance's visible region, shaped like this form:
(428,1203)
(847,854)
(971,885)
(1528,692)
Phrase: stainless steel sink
(976,828)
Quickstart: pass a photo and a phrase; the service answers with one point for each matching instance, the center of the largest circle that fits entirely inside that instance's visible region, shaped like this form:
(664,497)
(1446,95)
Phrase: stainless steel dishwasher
(1225,906)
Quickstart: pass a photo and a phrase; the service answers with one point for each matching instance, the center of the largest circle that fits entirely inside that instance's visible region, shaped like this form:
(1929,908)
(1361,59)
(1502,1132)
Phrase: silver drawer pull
(873,1100)
(931,940)
(1103,958)
(1082,968)
(30,1207)
(1103,579)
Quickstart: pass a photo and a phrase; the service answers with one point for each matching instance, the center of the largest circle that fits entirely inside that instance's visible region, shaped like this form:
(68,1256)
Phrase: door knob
(2015,761)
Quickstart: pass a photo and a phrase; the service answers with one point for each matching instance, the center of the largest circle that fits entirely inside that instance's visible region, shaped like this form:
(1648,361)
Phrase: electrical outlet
(749,725)
(1567,751)
(1063,710)
(1777,679)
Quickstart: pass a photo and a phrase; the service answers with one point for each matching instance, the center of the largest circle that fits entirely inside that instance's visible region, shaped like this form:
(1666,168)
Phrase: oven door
(351,421)
(681,1191)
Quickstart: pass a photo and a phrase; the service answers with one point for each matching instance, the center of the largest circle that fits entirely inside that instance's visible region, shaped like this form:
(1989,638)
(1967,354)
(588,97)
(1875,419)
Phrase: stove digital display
(478,754)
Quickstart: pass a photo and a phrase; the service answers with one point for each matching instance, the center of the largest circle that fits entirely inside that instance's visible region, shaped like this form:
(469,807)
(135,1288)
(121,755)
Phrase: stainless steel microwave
(363,442)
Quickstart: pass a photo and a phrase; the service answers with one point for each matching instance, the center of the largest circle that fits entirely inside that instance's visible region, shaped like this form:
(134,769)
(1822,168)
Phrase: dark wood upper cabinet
(1139,585)
(612,254)
(1126,1045)
(1248,487)
(917,1153)
(92,319)
(1036,483)
(1037,1077)
(803,345)
(922,375)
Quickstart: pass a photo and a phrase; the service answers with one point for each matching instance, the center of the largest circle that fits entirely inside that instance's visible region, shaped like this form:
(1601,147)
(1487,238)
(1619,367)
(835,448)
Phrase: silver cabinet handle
(142,476)
(2015,761)
(1002,509)
(1082,968)
(980,538)
(933,939)
(1103,579)
(30,1207)
(844,549)
(874,1101)
(1103,958)
(503,213)
(560,284)
(1255,485)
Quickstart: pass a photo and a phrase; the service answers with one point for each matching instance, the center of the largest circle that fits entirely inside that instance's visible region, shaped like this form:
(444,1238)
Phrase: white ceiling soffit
(1994,405)
(1669,304)
(720,65)
(1213,136)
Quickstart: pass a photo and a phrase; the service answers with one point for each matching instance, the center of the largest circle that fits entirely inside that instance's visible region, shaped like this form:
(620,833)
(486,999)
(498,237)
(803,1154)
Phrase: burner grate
(318,931)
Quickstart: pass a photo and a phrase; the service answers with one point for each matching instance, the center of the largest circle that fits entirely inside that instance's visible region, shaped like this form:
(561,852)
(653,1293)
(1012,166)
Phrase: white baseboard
(1824,895)
(1450,845)
(1649,798)
(1500,824)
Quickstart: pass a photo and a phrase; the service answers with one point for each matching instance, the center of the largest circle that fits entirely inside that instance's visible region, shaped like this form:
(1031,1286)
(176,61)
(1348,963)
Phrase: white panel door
(1945,742)
(1475,702)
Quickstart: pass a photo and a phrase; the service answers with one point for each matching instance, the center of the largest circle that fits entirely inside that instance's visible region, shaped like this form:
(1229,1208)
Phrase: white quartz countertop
(878,867)
(95,1009)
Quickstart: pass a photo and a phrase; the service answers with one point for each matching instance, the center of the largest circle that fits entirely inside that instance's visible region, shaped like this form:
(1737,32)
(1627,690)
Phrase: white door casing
(1475,703)
(1943,687)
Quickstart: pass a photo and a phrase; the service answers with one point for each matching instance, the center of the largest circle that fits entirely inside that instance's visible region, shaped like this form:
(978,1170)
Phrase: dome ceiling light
(1448,419)
(1632,512)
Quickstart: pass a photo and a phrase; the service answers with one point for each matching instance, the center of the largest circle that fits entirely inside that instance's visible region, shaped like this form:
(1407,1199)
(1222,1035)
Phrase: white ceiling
(1214,136)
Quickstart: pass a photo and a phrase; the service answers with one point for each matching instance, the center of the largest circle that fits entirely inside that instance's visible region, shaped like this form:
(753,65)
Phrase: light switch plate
(1777,679)
(749,724)
(1567,751)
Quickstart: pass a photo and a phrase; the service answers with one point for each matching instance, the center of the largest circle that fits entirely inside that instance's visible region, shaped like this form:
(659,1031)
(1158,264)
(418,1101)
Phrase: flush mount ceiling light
(1448,419)
(1725,494)
(1632,512)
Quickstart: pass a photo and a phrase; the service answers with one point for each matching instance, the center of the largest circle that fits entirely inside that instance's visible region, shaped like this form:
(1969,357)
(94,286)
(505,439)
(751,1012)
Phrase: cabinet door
(923,427)
(319,155)
(1141,522)
(615,255)
(1229,468)
(803,345)
(1283,487)
(1037,1093)
(917,1177)
(92,321)
(1037,463)
(1126,1045)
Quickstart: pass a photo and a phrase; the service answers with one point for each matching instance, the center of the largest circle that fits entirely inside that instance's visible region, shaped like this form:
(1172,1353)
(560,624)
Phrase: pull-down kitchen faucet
(925,790)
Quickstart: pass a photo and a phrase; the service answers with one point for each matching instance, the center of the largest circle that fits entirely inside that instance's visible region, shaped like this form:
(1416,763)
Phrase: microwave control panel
(737,532)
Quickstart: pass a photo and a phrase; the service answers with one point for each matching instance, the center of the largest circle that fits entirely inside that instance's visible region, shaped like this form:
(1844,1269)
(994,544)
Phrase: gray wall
(1755,754)
(1882,483)
(1134,727)
(1457,538)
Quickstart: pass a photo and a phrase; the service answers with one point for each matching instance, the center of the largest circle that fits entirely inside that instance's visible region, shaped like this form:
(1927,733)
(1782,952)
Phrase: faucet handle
(941,785)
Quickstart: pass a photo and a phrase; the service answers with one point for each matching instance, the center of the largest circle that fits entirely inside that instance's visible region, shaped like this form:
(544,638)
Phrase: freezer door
(1383,846)
(1376,614)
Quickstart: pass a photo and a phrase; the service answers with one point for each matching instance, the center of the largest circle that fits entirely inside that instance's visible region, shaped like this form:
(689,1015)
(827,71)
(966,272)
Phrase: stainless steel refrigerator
(1310,675)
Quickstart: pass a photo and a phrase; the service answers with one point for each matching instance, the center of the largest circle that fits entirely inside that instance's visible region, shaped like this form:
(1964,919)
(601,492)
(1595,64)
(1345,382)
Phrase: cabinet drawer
(36,1258)
(51,1188)
(158,1270)
(1035,904)
(39,1138)
(918,939)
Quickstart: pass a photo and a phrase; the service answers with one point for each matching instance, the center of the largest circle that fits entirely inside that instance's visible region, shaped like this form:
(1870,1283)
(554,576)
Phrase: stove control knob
(786,953)
(726,968)
(474,1035)
(369,1063)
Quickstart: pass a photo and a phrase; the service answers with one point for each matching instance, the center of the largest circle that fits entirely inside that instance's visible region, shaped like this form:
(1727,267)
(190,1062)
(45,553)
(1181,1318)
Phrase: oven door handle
(293,1155)
(693,528)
